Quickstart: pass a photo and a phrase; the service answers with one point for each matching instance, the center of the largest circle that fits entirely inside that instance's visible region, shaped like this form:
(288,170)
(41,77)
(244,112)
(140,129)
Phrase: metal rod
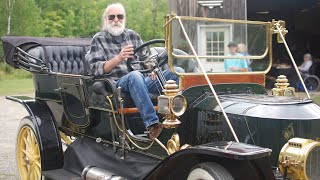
(163,146)
(122,121)
(29,55)
(292,59)
(209,82)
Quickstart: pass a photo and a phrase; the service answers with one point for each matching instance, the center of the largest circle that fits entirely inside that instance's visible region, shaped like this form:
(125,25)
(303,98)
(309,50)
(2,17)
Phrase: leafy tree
(74,18)
(26,19)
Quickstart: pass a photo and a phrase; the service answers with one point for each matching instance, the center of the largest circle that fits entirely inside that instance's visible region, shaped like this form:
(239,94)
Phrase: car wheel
(312,83)
(27,151)
(209,171)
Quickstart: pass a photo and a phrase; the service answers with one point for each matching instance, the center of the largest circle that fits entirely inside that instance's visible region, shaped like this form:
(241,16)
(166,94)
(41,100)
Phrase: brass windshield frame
(169,46)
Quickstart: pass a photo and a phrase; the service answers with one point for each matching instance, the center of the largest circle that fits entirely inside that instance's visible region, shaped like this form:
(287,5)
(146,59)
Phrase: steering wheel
(153,60)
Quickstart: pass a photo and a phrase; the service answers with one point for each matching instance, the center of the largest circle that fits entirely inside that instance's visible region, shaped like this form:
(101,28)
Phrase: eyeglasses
(119,16)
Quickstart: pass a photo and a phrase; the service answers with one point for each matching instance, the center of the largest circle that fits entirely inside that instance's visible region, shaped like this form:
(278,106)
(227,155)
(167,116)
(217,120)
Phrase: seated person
(307,63)
(109,51)
(235,65)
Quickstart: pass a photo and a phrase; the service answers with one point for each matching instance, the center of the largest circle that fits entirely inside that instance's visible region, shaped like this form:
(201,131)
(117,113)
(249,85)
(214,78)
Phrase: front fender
(243,161)
(46,131)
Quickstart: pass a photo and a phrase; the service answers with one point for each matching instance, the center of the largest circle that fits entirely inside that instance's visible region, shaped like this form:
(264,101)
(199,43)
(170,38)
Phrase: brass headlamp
(299,159)
(171,104)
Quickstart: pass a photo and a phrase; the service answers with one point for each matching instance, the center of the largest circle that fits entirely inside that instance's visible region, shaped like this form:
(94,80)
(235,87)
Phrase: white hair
(104,24)
(308,55)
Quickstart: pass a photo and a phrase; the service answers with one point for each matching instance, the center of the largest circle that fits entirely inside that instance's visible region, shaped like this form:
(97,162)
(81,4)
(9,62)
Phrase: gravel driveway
(10,115)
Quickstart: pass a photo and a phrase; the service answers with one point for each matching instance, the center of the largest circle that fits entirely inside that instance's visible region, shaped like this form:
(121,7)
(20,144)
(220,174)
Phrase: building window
(215,45)
(213,41)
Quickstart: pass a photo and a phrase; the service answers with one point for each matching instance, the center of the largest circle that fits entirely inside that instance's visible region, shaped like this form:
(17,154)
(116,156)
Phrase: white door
(213,40)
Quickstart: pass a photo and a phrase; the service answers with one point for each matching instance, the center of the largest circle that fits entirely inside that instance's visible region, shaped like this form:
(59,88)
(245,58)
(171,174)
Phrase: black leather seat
(63,59)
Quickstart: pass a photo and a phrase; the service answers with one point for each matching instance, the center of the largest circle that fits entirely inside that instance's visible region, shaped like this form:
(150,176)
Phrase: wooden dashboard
(193,80)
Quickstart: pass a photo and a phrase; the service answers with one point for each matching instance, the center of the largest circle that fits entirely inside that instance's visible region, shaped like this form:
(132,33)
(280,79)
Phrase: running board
(61,174)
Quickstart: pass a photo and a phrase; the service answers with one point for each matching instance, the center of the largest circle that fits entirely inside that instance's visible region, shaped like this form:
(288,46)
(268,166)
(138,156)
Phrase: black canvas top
(10,43)
(46,41)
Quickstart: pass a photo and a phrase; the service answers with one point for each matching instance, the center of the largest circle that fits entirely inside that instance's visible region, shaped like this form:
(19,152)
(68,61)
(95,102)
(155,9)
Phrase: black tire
(209,171)
(312,83)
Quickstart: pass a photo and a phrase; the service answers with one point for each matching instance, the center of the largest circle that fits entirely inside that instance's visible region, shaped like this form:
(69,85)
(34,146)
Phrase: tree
(9,7)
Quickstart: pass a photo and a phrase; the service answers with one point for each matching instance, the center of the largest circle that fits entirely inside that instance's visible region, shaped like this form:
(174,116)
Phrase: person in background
(235,65)
(242,49)
(307,63)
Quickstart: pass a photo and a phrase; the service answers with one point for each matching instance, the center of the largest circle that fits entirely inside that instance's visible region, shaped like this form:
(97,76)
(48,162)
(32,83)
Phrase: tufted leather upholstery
(63,59)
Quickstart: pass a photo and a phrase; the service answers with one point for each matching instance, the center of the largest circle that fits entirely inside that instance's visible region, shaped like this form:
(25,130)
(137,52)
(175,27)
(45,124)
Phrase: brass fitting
(173,144)
(167,104)
(281,87)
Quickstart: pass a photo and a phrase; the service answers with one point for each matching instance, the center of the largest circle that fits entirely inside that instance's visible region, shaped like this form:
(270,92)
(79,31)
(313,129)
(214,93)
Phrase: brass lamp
(299,159)
(171,104)
(281,87)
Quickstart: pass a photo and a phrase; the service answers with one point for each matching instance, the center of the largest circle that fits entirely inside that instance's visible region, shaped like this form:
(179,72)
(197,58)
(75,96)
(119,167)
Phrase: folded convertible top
(10,44)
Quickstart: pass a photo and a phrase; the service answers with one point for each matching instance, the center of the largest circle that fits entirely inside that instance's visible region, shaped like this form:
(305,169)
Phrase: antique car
(218,124)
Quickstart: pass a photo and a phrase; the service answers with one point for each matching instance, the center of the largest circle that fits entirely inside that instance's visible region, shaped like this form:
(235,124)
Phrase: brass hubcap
(28,155)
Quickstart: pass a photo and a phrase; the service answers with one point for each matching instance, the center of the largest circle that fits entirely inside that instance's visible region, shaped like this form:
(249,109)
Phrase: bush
(8,72)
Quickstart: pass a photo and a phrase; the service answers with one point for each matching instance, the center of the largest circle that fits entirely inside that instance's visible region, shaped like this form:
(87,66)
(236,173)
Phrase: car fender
(46,131)
(244,165)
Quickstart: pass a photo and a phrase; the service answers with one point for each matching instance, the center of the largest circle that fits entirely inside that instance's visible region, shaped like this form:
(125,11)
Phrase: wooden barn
(300,17)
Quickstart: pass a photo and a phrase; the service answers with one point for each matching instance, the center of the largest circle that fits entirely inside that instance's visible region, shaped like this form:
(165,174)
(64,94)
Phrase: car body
(70,102)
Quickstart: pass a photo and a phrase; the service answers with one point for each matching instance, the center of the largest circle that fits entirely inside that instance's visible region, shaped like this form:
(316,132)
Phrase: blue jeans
(139,88)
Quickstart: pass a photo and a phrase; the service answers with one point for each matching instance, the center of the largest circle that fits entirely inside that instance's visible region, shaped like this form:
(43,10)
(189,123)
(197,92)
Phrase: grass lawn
(316,98)
(15,86)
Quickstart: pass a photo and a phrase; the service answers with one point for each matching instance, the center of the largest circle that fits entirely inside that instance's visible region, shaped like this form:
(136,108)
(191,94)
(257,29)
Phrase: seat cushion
(63,59)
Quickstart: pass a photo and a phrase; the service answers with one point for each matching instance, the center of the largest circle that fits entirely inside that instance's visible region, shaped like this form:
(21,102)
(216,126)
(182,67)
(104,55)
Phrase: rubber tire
(209,171)
(25,122)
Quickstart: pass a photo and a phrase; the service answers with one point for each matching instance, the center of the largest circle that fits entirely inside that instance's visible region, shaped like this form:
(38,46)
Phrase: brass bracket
(282,26)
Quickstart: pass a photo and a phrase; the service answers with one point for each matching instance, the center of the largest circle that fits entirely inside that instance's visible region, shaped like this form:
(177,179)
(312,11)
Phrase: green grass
(316,98)
(14,81)
(8,72)
(16,86)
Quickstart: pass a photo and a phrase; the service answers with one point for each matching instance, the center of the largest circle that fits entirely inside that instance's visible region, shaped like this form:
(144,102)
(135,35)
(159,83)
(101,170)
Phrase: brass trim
(220,20)
(169,47)
(65,138)
(225,57)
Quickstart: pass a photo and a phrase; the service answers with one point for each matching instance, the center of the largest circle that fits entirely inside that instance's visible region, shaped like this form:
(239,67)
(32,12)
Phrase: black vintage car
(219,125)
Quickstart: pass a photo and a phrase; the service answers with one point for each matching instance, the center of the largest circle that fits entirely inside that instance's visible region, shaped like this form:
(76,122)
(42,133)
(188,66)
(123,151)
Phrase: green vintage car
(220,123)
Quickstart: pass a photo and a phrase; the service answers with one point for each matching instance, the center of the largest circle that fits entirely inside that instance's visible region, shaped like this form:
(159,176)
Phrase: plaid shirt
(105,47)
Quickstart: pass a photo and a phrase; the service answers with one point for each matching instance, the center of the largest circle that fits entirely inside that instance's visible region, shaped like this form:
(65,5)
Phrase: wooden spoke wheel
(28,153)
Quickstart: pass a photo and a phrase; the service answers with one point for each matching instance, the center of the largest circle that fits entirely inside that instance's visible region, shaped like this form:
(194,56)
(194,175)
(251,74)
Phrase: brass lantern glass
(300,159)
(178,105)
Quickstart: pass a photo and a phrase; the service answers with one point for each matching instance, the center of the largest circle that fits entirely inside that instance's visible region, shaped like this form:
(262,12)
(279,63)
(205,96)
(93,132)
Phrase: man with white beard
(110,49)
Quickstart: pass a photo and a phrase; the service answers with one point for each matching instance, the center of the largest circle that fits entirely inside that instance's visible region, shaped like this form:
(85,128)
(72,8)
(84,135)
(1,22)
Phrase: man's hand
(126,52)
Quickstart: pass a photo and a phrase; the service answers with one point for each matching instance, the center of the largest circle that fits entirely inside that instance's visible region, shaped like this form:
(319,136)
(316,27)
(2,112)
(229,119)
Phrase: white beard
(115,29)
